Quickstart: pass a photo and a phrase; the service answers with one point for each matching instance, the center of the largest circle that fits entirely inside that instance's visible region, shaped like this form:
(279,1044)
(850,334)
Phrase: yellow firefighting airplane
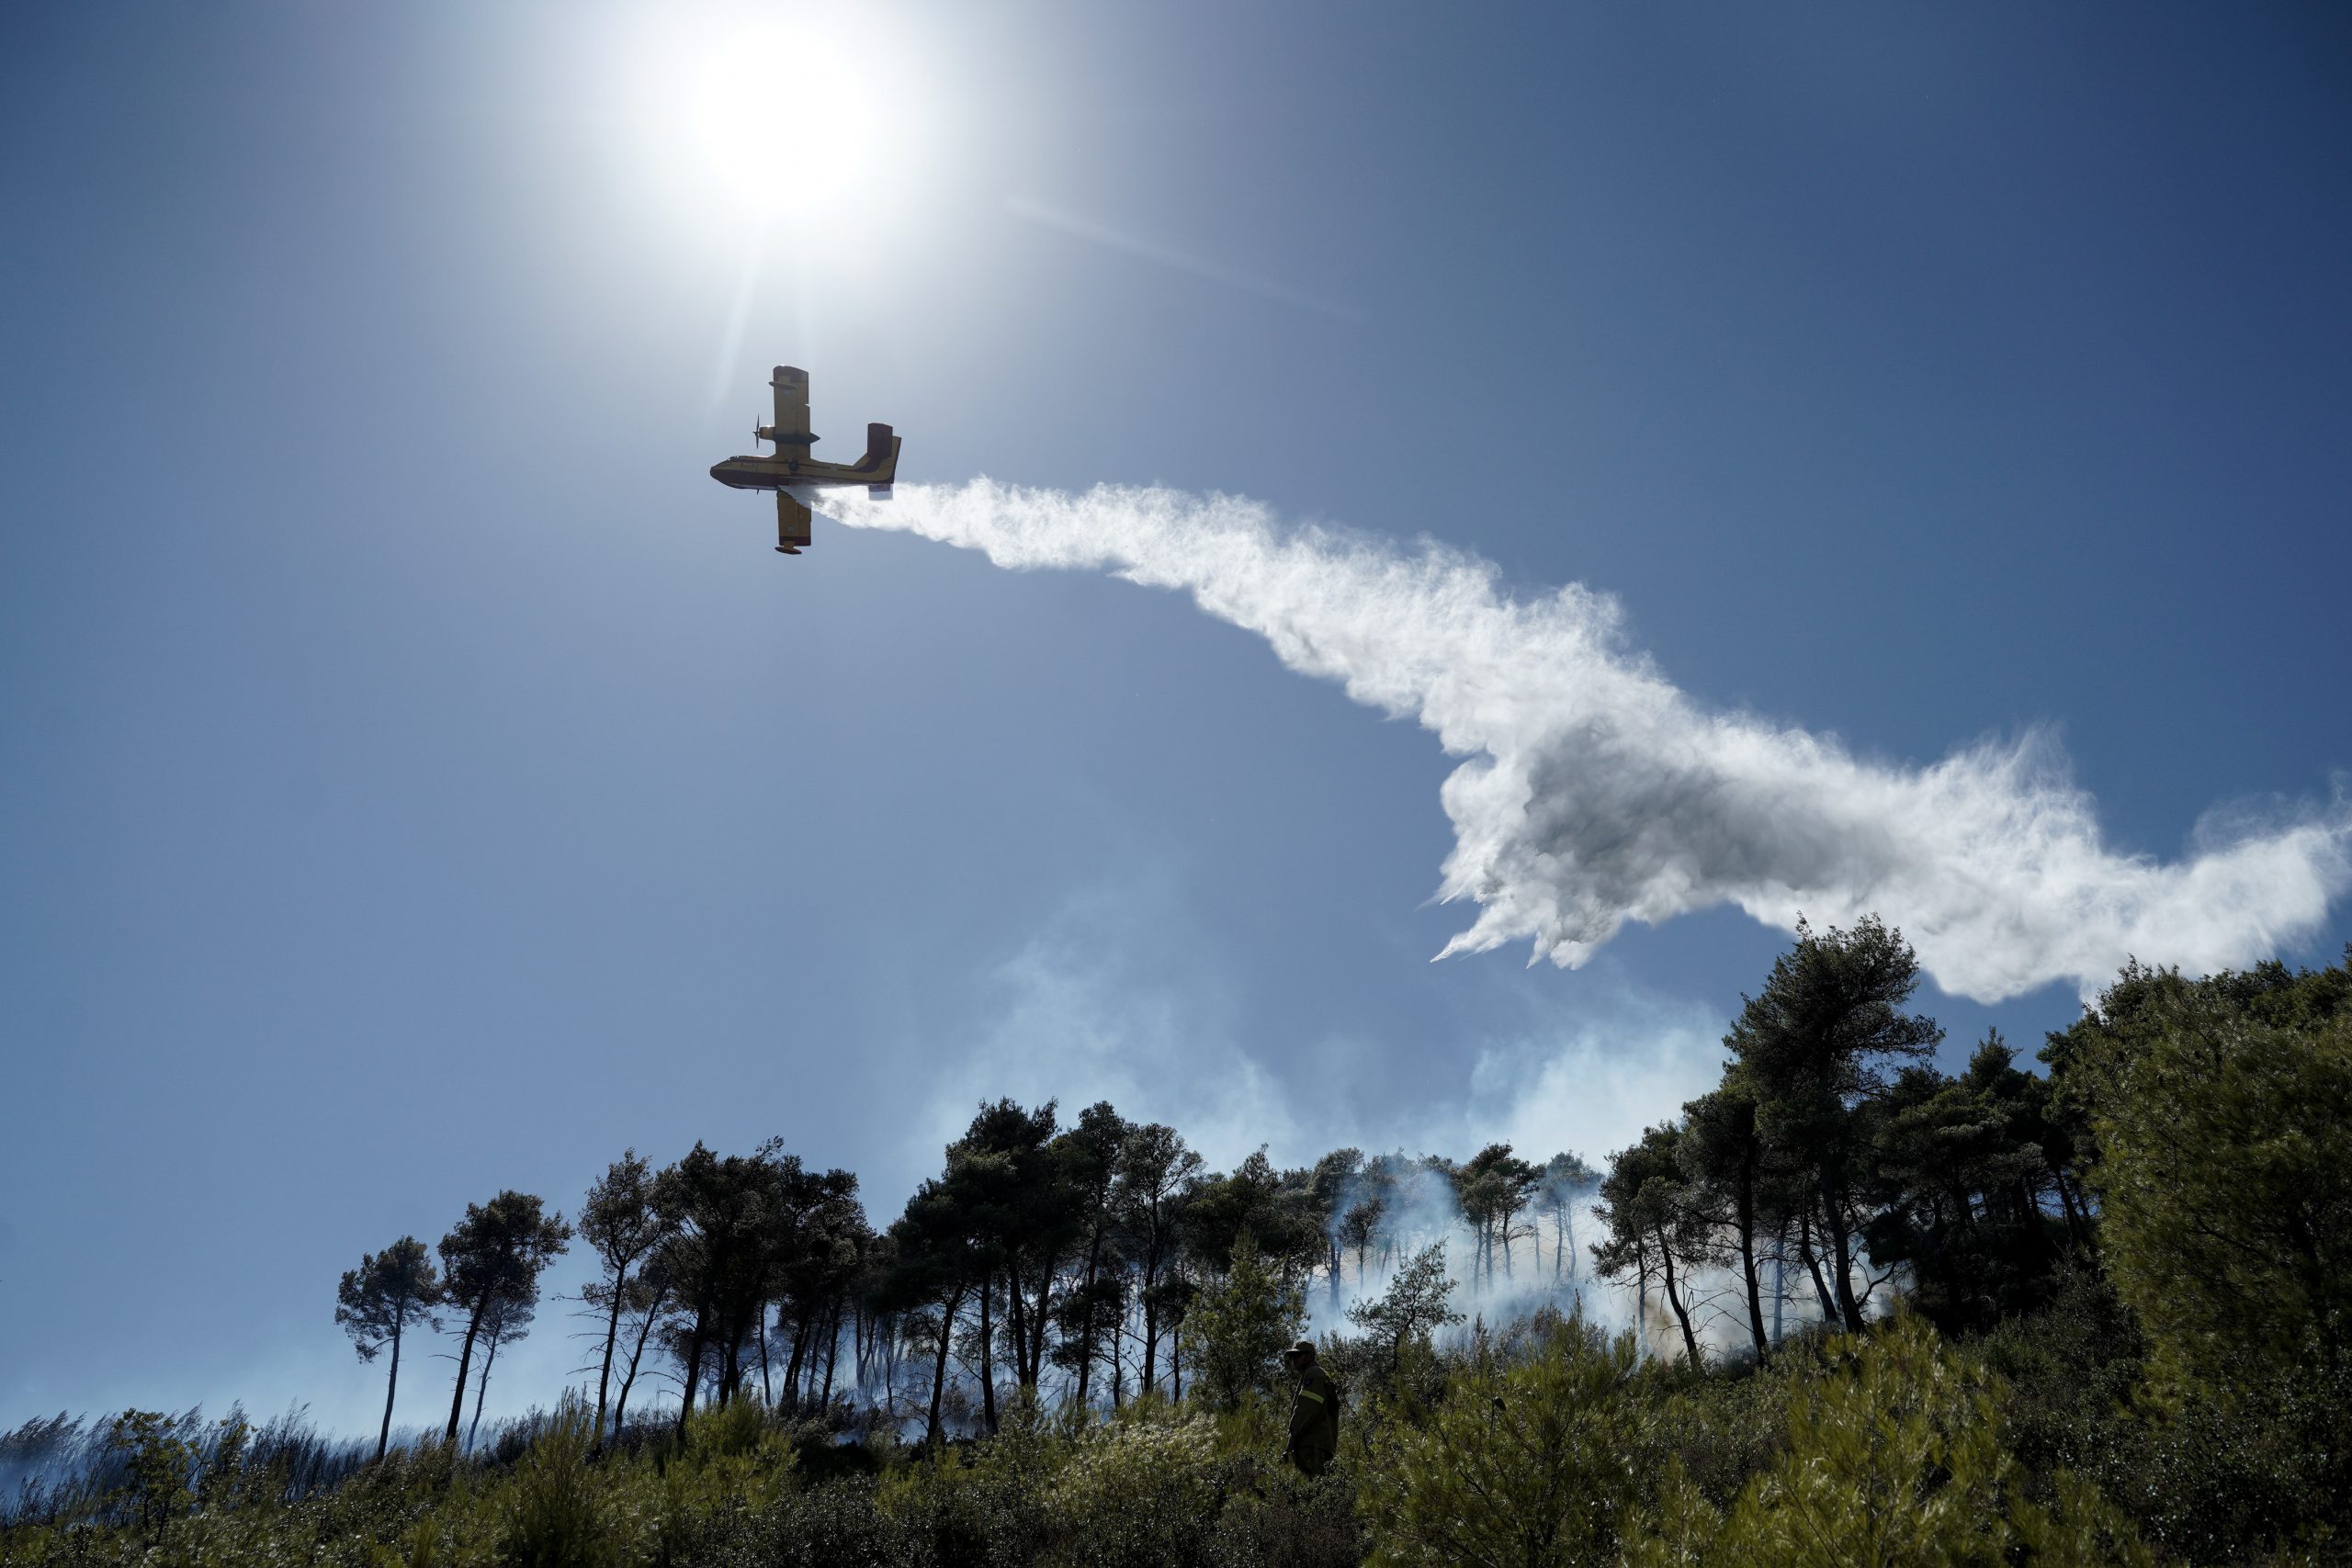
(791,468)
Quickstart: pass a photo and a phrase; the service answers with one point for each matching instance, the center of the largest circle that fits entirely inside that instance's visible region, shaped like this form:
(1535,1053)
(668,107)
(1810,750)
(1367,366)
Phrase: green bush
(1894,1458)
(1529,1463)
(1241,1324)
(980,1505)
(157,1465)
(2225,1171)
(1275,1517)
(554,1511)
(1545,1443)
(1136,1492)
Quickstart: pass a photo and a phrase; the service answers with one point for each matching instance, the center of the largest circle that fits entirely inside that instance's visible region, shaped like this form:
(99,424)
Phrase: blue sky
(422,779)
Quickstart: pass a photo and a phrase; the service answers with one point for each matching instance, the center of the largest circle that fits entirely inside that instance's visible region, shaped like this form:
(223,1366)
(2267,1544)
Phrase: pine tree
(377,1303)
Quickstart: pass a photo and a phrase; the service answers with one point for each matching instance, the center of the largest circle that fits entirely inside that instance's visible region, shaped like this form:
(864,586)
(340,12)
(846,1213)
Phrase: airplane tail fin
(880,464)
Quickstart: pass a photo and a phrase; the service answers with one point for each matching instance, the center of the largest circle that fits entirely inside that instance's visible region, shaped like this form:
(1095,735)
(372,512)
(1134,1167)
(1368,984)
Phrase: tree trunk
(2076,1232)
(1674,1300)
(832,1355)
(1812,1267)
(391,1386)
(1086,1288)
(730,1365)
(612,1338)
(636,1355)
(792,1368)
(1039,1321)
(1780,1284)
(694,1371)
(1151,1375)
(938,1367)
(1842,1259)
(1747,1219)
(465,1360)
(1017,1305)
(482,1387)
(987,1354)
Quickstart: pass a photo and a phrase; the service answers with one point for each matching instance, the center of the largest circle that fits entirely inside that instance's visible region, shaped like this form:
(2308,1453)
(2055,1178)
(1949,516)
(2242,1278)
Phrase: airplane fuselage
(764,472)
(791,468)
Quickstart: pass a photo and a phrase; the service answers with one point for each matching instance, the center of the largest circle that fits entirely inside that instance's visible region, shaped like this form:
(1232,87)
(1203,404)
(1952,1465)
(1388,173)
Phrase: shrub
(1894,1458)
(1243,1324)
(157,1464)
(2226,1170)
(979,1505)
(1134,1494)
(1279,1519)
(555,1510)
(1529,1464)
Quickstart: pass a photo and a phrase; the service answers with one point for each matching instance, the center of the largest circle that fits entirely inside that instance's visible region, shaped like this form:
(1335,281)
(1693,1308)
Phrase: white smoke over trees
(1595,791)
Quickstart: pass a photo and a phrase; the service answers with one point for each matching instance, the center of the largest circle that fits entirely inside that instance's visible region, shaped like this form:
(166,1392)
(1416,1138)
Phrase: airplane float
(791,468)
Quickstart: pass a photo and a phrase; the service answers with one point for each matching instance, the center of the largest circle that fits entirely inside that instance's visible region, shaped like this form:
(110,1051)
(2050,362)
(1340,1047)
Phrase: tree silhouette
(1813,1044)
(493,1258)
(1723,1154)
(1090,1308)
(508,1319)
(1411,1309)
(1566,1177)
(1645,1204)
(1157,1177)
(379,1299)
(934,1266)
(623,1223)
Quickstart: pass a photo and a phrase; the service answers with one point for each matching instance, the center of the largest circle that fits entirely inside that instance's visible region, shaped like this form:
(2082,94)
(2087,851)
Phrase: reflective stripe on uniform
(1310,1393)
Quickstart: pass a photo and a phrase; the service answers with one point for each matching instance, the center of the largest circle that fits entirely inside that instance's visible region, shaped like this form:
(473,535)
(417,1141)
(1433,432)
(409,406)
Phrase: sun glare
(792,149)
(782,122)
(766,121)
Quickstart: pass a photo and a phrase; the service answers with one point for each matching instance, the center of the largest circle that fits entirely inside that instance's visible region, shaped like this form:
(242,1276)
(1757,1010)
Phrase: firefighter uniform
(1313,1413)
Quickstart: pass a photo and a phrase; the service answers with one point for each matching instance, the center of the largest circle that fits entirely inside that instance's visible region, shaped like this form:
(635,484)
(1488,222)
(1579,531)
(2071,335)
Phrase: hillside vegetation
(1843,1309)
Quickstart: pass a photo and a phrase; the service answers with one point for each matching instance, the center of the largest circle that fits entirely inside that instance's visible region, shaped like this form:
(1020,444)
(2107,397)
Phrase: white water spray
(1596,791)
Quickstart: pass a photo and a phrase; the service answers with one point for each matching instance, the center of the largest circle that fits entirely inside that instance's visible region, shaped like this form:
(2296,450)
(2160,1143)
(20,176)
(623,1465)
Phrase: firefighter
(1314,1412)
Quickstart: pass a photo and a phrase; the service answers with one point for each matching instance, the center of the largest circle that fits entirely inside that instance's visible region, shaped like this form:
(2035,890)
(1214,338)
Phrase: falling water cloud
(1595,792)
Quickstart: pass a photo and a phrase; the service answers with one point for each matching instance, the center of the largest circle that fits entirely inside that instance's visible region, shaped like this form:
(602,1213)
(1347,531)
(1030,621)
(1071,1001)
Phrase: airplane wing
(792,521)
(790,431)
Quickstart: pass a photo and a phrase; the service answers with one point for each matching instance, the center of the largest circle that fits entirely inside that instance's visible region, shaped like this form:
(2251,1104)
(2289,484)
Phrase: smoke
(1595,792)
(1105,1000)
(1118,995)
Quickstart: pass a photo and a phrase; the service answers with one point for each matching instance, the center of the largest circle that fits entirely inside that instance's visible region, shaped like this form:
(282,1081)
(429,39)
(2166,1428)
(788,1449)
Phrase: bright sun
(782,120)
(794,144)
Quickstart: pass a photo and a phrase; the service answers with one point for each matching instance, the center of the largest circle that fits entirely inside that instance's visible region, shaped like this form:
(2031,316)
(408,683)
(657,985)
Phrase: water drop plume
(1594,792)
